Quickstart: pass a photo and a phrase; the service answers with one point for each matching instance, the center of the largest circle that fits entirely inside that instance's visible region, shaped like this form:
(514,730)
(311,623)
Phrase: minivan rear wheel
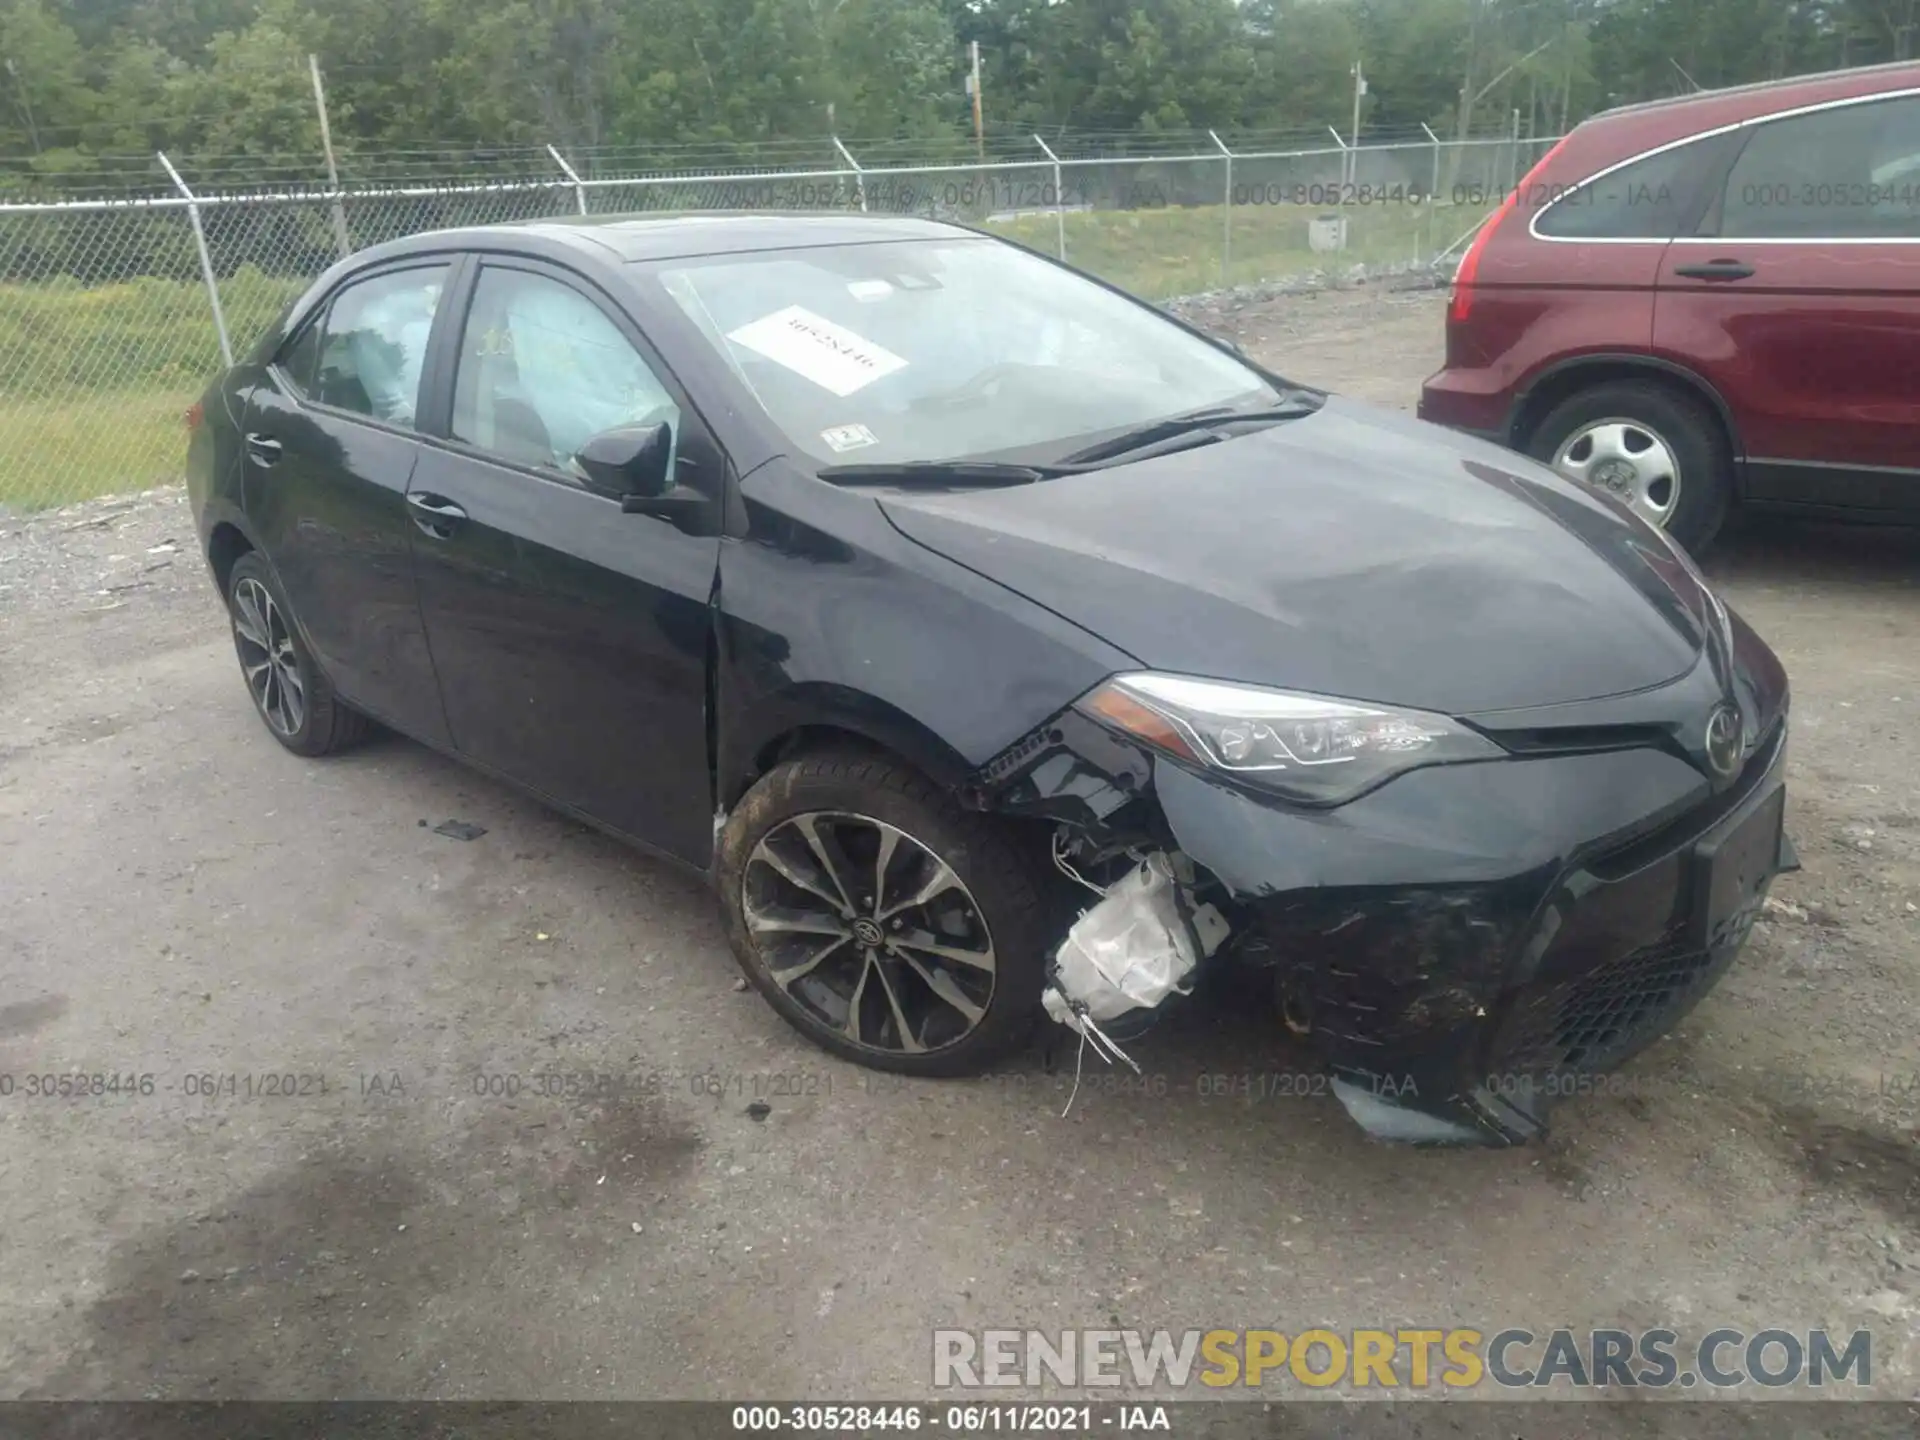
(1659,452)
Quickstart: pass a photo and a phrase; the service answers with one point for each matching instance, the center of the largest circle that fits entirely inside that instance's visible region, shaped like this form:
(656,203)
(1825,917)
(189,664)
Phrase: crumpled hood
(1355,552)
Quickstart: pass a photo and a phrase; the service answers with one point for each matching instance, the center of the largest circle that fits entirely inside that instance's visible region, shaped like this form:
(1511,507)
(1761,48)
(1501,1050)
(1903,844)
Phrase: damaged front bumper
(1465,943)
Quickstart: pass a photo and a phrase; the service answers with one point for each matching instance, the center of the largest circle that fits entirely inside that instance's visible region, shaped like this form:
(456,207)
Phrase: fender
(746,738)
(1626,359)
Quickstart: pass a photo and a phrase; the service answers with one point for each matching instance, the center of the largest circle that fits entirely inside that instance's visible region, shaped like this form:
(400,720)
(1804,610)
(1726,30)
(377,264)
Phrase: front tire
(882,921)
(1660,452)
(291,696)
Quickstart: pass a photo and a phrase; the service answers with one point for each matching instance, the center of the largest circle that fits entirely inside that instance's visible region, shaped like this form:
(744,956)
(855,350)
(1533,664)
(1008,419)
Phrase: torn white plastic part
(1129,952)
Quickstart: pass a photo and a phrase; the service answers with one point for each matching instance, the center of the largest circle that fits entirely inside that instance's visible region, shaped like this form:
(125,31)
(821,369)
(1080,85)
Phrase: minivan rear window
(1645,199)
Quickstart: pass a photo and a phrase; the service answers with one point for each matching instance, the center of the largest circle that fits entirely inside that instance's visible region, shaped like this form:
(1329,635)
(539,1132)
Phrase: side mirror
(630,461)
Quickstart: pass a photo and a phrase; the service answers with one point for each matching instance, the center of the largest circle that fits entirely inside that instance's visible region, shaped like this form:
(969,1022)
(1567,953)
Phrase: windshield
(946,350)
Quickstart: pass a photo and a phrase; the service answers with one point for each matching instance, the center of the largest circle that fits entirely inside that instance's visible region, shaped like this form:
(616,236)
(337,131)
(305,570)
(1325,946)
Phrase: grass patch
(94,379)
(53,453)
(1180,250)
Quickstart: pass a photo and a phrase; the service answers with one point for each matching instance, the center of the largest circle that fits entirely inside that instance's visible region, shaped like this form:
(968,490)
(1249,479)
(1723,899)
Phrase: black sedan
(1003,648)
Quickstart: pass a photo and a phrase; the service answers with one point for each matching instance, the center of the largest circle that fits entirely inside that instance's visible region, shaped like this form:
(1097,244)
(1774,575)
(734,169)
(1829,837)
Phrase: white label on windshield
(848,437)
(807,344)
(867,291)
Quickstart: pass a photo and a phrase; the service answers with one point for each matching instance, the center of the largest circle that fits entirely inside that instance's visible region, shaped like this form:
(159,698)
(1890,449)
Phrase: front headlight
(1308,748)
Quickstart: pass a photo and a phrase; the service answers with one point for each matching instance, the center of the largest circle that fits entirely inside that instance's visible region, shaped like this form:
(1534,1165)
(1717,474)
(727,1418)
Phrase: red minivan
(1707,302)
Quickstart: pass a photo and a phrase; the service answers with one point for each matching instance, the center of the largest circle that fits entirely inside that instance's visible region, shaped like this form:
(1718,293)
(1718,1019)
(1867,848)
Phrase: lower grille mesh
(1609,1013)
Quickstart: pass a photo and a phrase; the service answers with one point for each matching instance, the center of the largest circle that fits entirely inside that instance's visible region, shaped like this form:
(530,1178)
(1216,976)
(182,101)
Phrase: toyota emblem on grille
(1723,741)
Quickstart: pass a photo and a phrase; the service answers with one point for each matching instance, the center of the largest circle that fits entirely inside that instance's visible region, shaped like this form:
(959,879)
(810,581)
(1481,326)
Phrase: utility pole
(26,104)
(1353,151)
(973,89)
(333,171)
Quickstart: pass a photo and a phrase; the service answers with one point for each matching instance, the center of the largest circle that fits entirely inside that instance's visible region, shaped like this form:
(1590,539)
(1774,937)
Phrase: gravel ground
(183,900)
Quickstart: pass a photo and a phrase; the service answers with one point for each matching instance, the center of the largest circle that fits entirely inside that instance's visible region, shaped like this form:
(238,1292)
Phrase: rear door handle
(263,448)
(1715,270)
(435,514)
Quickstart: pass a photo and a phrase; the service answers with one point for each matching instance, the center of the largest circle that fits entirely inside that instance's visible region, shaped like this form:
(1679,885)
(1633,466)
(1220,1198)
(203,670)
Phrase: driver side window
(543,369)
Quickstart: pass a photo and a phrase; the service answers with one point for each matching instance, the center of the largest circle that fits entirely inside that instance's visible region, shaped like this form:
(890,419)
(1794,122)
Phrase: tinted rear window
(1645,199)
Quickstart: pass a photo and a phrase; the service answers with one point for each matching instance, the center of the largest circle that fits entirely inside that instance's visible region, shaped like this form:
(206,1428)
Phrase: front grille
(1606,1015)
(1625,857)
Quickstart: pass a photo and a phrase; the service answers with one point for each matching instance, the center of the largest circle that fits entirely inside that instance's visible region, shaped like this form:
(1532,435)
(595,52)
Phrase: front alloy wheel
(869,931)
(883,921)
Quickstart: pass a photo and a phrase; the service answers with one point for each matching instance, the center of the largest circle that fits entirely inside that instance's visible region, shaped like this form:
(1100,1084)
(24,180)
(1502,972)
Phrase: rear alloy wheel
(1652,448)
(287,688)
(881,920)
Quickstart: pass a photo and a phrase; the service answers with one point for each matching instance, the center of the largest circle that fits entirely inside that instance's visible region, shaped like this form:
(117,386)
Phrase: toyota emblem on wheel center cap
(1723,741)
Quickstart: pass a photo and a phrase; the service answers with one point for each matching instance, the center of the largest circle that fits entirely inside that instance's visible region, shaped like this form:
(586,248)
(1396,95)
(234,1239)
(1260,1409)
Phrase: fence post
(333,170)
(1434,197)
(1343,152)
(859,176)
(206,258)
(579,190)
(1226,225)
(1059,196)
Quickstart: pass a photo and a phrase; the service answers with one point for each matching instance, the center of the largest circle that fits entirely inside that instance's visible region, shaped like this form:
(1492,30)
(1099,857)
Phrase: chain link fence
(114,314)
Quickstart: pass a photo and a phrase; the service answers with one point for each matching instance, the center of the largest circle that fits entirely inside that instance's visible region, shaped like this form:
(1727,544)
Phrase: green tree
(43,69)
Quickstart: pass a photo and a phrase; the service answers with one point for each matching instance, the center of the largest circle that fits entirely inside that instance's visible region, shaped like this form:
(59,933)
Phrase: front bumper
(1529,956)
(1468,942)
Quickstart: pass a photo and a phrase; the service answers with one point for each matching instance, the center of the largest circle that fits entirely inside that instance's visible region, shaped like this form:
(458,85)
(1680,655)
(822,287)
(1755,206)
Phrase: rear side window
(1645,199)
(1852,172)
(373,343)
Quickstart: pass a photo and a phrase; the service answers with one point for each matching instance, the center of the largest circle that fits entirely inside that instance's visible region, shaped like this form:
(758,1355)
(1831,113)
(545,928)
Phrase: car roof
(1788,90)
(614,240)
(1658,121)
(1614,136)
(657,236)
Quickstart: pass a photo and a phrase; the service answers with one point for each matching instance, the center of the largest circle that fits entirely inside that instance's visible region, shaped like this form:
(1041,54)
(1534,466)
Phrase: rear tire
(1689,432)
(811,925)
(291,696)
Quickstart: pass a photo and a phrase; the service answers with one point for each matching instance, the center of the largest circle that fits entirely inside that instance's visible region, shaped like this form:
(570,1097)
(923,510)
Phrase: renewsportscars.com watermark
(1453,1358)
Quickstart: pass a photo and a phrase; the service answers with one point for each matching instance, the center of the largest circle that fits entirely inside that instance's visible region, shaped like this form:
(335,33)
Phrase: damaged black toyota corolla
(915,587)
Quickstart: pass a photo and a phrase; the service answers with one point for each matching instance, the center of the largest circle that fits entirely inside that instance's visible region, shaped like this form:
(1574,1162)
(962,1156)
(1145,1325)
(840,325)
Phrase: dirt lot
(182,900)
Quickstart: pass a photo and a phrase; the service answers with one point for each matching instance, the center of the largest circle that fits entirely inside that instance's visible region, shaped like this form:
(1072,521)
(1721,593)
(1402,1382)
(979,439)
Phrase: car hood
(1354,552)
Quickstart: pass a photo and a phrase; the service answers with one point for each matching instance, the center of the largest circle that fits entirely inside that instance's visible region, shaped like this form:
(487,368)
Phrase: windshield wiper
(1217,417)
(980,473)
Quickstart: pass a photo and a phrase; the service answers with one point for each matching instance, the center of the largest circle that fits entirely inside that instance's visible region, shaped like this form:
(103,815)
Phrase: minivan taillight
(1460,302)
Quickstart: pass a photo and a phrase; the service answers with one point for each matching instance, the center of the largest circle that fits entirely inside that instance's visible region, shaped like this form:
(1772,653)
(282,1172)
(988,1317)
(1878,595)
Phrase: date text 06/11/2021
(957,1419)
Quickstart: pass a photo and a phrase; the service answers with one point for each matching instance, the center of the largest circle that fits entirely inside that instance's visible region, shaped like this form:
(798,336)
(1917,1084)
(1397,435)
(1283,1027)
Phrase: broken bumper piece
(1469,943)
(1133,950)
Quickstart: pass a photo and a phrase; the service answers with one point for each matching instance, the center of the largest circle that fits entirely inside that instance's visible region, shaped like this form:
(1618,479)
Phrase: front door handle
(1715,270)
(263,448)
(435,514)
